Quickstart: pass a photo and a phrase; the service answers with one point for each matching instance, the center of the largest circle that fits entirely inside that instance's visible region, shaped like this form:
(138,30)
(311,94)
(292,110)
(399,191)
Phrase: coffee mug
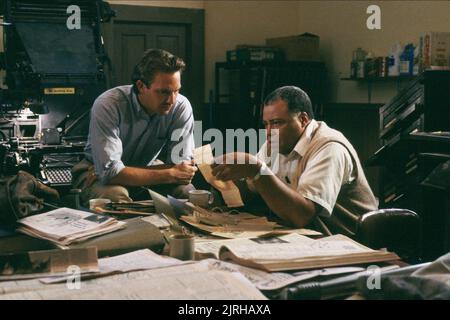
(93,203)
(181,246)
(201,198)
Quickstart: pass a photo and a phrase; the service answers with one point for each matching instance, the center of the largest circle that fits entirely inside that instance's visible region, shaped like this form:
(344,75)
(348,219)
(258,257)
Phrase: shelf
(380,78)
(370,80)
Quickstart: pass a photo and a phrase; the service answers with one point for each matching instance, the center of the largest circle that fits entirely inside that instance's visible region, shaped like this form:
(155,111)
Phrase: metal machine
(54,61)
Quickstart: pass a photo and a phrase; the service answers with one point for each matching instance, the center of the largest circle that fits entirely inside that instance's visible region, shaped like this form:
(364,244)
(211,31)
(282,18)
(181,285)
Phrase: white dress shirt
(324,175)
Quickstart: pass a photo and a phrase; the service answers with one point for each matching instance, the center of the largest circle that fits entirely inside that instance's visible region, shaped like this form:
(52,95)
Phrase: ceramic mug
(201,198)
(181,246)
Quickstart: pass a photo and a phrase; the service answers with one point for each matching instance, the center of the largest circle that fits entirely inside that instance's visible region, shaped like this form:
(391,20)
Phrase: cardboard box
(304,47)
(435,49)
(254,53)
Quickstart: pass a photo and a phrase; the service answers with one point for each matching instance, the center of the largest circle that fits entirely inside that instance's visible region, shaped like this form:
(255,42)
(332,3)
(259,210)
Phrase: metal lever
(76,194)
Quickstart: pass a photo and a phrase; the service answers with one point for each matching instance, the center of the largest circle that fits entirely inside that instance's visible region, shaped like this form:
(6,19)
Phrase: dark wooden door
(179,31)
(132,39)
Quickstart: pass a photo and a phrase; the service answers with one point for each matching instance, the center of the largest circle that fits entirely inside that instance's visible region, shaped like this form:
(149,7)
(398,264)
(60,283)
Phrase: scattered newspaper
(64,226)
(144,259)
(185,282)
(272,281)
(158,220)
(228,222)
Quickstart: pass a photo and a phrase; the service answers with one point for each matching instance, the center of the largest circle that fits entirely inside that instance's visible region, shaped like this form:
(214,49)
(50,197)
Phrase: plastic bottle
(404,62)
(360,55)
(407,60)
(394,60)
(416,64)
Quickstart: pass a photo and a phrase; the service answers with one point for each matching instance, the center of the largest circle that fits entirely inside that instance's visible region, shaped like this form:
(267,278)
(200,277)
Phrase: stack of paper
(140,208)
(64,226)
(226,222)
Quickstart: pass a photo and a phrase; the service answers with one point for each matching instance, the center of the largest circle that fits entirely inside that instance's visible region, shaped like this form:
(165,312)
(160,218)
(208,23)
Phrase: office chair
(398,230)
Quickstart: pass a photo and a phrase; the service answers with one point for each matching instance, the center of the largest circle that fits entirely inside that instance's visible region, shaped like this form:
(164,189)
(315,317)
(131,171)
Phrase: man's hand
(235,166)
(183,172)
(91,177)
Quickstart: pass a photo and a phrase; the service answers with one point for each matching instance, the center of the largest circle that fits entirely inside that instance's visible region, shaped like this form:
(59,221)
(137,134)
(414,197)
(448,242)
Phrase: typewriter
(55,168)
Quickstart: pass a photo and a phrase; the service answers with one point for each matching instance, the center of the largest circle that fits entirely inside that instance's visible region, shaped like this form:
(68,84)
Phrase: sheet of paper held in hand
(204,159)
(186,282)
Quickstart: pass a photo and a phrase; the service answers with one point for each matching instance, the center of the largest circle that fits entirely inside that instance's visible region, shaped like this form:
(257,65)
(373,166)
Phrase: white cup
(182,246)
(93,203)
(201,198)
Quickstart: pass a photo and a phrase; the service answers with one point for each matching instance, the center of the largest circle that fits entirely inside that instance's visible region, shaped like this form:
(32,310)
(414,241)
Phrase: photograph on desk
(224,150)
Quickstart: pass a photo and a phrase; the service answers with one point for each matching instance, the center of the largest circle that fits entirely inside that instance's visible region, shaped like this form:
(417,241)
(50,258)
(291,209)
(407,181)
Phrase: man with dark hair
(132,126)
(305,169)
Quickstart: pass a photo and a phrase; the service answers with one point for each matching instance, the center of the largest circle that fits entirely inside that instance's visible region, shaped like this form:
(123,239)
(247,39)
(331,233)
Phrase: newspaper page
(261,279)
(271,281)
(185,282)
(204,159)
(294,247)
(211,247)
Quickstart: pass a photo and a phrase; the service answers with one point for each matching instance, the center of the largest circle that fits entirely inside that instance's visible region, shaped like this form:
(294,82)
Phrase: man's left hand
(235,166)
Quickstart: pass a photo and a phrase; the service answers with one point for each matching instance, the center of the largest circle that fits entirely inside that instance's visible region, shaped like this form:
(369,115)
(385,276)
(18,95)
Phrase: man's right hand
(183,172)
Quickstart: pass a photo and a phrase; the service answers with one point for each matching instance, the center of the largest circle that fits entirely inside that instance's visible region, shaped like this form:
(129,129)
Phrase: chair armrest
(398,230)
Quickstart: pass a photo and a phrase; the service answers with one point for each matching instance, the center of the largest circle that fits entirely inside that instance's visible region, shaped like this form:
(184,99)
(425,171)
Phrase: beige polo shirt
(325,173)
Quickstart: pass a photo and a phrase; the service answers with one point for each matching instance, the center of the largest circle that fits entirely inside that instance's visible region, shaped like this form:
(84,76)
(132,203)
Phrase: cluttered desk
(168,248)
(226,255)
